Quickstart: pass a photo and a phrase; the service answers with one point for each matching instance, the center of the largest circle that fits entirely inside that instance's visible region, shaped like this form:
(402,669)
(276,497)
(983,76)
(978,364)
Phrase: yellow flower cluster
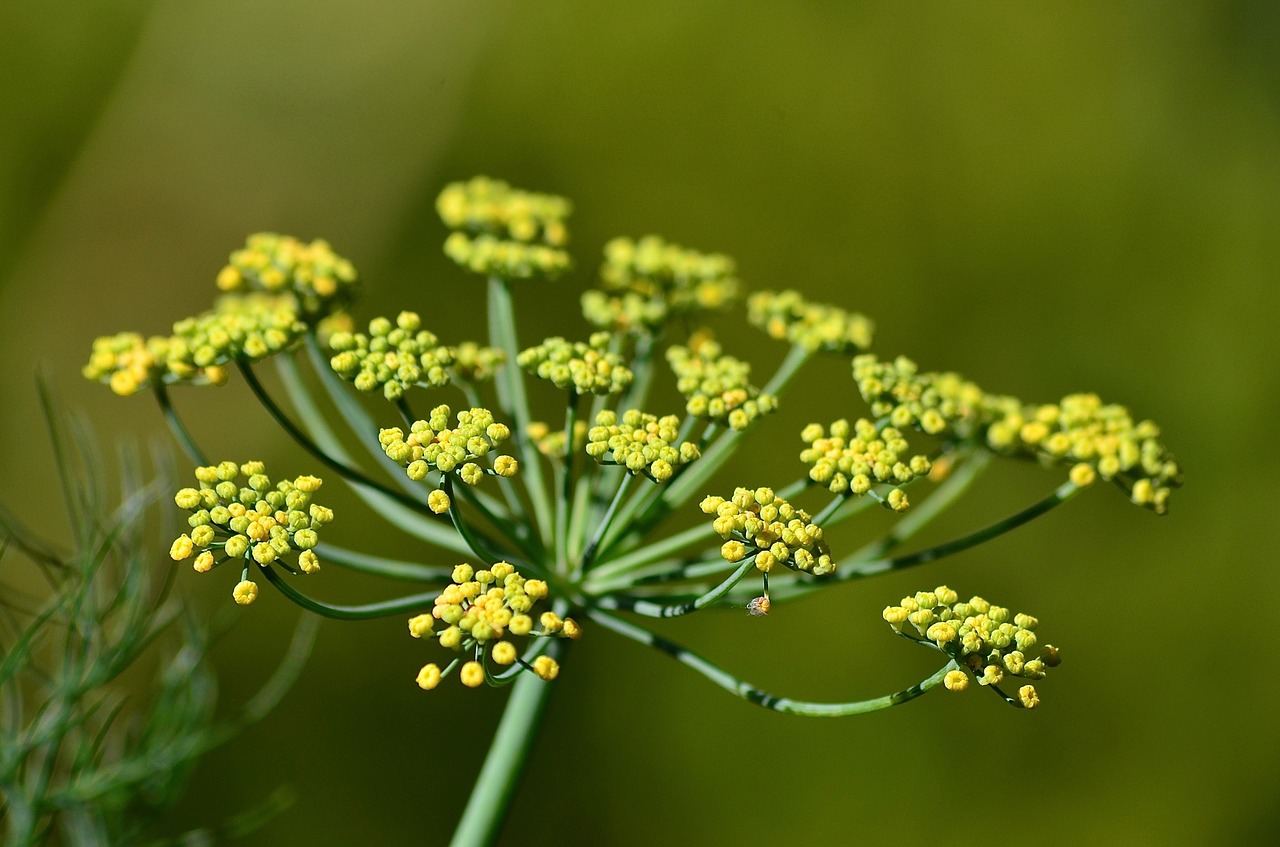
(550,442)
(474,363)
(477,613)
(990,641)
(257,522)
(503,231)
(626,312)
(851,459)
(787,316)
(717,387)
(241,327)
(432,445)
(393,356)
(320,279)
(647,281)
(582,368)
(758,522)
(640,442)
(128,363)
(1080,431)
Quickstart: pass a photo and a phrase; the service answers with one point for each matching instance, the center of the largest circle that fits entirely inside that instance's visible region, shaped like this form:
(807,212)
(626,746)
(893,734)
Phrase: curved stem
(918,517)
(850,569)
(304,441)
(349,613)
(853,568)
(658,610)
(480,546)
(495,786)
(379,566)
(755,695)
(177,427)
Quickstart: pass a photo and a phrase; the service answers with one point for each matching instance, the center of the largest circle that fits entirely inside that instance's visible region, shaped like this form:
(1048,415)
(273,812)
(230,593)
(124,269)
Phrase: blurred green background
(1046,197)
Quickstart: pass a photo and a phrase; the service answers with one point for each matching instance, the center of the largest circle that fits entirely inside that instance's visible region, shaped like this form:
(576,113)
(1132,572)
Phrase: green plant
(591,540)
(82,761)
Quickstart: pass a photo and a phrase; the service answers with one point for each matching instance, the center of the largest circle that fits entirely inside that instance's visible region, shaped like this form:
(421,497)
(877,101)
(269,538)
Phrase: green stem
(658,610)
(511,394)
(850,568)
(795,360)
(494,788)
(755,695)
(177,427)
(350,613)
(564,491)
(379,566)
(920,516)
(653,552)
(853,568)
(480,546)
(603,527)
(304,441)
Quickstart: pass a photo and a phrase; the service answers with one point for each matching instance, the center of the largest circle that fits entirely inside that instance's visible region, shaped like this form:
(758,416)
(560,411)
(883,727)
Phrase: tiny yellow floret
(246,591)
(956,681)
(429,677)
(546,667)
(472,675)
(420,625)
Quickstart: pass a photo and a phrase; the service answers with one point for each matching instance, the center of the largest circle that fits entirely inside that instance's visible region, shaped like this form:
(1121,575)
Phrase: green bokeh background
(1046,197)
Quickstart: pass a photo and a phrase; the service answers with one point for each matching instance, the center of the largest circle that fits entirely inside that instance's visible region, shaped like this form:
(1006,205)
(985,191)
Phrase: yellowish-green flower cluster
(787,316)
(758,522)
(477,613)
(717,387)
(649,280)
(582,368)
(550,442)
(129,363)
(241,327)
(393,356)
(502,231)
(432,445)
(474,363)
(936,403)
(320,279)
(851,459)
(640,442)
(626,312)
(1080,431)
(990,641)
(257,522)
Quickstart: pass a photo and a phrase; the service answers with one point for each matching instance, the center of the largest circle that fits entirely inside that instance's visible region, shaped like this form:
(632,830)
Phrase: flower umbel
(989,641)
(477,614)
(607,546)
(256,523)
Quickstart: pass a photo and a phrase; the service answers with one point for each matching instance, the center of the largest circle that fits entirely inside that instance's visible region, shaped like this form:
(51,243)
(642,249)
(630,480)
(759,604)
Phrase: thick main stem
(495,787)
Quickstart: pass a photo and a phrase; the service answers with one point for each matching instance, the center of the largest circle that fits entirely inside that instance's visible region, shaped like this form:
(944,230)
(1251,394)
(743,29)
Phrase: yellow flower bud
(428,677)
(503,652)
(472,674)
(420,625)
(546,667)
(245,592)
(182,548)
(956,680)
